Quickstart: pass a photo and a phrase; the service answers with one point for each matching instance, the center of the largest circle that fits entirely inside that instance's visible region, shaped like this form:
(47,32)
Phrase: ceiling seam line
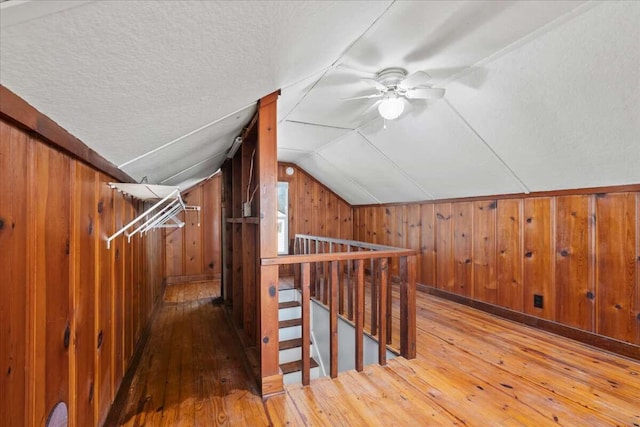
(350,179)
(319,125)
(334,64)
(527,38)
(396,166)
(192,166)
(168,144)
(520,182)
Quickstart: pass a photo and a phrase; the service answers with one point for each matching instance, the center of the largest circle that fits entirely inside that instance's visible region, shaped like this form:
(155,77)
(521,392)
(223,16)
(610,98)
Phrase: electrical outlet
(538,301)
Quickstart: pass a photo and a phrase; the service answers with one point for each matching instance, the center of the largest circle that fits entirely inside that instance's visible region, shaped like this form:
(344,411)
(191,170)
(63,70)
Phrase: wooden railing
(324,267)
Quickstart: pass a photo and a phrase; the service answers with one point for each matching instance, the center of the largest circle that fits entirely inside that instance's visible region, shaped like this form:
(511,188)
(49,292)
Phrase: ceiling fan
(393,84)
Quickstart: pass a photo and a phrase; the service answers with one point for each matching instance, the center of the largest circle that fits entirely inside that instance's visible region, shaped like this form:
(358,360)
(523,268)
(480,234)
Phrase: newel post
(270,376)
(408,306)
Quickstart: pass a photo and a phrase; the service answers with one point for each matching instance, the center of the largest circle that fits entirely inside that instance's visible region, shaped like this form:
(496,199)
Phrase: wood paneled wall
(71,311)
(313,208)
(580,252)
(194,250)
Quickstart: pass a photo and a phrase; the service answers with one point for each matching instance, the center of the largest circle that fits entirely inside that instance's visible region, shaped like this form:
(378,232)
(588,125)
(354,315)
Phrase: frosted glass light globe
(391,108)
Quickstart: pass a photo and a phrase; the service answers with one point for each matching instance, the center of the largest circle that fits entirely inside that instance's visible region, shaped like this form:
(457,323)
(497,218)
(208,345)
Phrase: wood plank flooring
(472,369)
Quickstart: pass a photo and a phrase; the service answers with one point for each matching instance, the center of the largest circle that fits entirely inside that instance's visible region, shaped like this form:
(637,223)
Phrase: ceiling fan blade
(373,95)
(425,93)
(374,83)
(418,78)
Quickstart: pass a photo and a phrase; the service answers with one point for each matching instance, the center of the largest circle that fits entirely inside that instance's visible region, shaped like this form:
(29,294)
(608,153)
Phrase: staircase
(290,338)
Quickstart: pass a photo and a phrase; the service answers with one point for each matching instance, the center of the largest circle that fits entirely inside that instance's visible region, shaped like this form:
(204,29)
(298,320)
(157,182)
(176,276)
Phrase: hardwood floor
(472,369)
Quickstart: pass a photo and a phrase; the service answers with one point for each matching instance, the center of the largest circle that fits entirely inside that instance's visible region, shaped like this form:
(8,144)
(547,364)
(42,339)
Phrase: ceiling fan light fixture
(391,108)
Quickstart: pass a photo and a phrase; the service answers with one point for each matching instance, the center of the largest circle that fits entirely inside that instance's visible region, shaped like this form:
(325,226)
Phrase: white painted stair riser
(285,334)
(296,377)
(292,354)
(288,295)
(290,313)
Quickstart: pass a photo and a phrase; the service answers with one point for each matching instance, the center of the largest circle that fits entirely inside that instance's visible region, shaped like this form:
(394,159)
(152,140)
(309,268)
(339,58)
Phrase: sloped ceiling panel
(446,37)
(563,110)
(325,103)
(359,160)
(442,155)
(306,137)
(128,77)
(205,144)
(333,178)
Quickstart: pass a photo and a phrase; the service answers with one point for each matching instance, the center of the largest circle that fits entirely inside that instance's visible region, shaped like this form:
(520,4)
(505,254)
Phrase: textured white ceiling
(540,95)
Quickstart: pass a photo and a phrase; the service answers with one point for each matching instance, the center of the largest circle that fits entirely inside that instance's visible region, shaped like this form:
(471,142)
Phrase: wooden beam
(359,313)
(408,307)
(298,259)
(333,319)
(266,155)
(306,323)
(382,327)
(17,110)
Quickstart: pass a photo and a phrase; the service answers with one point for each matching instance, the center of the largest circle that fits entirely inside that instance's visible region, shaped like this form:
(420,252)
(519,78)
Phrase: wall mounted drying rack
(162,214)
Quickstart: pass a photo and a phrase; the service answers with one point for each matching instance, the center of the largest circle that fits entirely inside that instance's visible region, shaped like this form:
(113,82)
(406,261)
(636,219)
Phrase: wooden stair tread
(289,323)
(296,366)
(294,343)
(288,304)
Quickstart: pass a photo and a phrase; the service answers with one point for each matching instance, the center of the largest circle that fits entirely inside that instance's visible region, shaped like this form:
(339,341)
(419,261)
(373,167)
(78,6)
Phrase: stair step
(296,366)
(294,343)
(289,323)
(288,304)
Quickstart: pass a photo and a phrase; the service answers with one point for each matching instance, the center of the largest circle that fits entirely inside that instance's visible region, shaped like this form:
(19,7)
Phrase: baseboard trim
(176,280)
(120,400)
(621,348)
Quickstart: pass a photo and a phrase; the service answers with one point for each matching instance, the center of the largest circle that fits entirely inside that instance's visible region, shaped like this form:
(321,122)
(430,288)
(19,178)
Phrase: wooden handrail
(356,243)
(336,256)
(325,282)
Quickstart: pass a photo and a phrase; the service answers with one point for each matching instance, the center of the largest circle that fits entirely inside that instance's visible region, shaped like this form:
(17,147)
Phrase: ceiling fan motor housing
(391,76)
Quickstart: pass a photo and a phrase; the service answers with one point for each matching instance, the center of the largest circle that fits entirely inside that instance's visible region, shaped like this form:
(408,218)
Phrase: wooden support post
(359,313)
(270,376)
(306,323)
(382,331)
(340,285)
(349,288)
(314,270)
(408,306)
(389,319)
(374,297)
(296,267)
(333,320)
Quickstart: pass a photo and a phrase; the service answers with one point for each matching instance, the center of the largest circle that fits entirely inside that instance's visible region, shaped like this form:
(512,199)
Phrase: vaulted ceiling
(539,95)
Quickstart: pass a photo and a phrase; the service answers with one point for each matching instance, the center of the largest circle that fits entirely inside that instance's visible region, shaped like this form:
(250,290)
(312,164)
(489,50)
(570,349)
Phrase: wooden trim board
(604,343)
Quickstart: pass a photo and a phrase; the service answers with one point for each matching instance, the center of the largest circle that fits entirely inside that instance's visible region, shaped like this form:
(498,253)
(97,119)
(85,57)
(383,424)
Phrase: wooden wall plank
(119,327)
(574,285)
(210,223)
(174,250)
(105,300)
(193,234)
(462,248)
(52,182)
(444,247)
(85,249)
(484,251)
(616,266)
(414,234)
(346,221)
(539,277)
(509,254)
(428,243)
(637,302)
(13,270)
